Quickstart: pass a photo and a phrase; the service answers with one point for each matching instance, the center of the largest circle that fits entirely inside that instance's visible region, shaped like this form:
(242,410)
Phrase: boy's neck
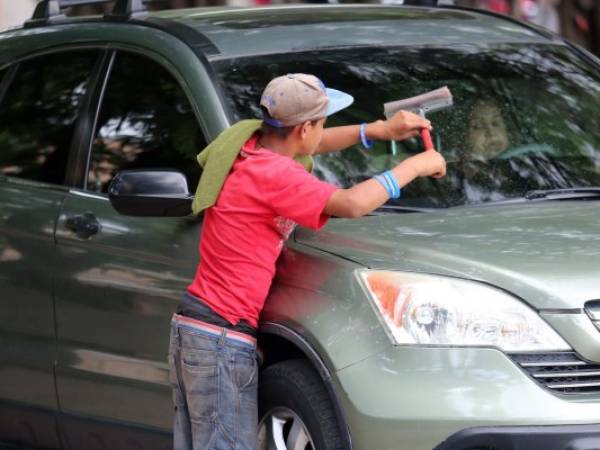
(285,147)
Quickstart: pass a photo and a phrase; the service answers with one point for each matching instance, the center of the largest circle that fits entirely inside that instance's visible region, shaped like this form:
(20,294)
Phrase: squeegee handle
(427,141)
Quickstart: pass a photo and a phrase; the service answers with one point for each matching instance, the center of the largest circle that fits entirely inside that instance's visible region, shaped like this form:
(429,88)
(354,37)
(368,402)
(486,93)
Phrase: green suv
(464,315)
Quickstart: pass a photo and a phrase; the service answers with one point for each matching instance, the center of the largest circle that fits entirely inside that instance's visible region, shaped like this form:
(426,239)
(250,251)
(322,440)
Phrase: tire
(294,409)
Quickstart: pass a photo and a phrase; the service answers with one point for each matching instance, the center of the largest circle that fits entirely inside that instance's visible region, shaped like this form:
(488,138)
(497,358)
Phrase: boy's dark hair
(281,132)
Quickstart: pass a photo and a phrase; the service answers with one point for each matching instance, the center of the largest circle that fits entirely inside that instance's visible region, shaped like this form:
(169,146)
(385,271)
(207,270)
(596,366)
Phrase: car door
(121,277)
(41,105)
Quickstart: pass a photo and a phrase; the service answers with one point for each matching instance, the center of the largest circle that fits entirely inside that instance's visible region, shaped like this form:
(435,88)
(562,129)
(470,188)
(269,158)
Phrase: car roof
(229,32)
(240,32)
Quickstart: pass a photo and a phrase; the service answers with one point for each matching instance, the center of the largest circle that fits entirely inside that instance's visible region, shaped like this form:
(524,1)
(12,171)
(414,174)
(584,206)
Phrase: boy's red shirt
(242,235)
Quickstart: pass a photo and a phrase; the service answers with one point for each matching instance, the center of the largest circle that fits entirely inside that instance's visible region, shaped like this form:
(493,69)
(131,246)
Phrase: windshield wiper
(564,194)
(401,209)
(582,193)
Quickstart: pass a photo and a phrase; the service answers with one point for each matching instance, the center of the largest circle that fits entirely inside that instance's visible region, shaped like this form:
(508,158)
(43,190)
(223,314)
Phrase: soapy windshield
(525,117)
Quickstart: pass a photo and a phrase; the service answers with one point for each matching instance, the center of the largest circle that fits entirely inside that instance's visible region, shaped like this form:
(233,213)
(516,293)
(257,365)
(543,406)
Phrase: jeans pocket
(246,371)
(201,380)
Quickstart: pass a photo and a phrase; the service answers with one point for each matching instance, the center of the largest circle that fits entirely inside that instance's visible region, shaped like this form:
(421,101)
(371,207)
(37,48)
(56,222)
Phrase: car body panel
(546,253)
(113,311)
(27,220)
(316,295)
(416,397)
(579,331)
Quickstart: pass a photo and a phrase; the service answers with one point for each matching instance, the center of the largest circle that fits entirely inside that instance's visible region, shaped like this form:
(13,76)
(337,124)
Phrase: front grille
(562,372)
(593,310)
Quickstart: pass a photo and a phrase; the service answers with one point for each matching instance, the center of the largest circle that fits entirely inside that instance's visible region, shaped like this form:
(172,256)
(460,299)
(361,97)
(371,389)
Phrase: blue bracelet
(389,182)
(384,182)
(367,143)
(392,180)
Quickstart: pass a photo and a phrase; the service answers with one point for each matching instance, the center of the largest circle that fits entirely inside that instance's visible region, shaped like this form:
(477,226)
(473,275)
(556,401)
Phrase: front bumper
(566,437)
(414,398)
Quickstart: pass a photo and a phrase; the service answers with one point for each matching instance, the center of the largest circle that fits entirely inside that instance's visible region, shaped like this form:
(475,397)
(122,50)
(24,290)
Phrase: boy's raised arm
(402,125)
(369,195)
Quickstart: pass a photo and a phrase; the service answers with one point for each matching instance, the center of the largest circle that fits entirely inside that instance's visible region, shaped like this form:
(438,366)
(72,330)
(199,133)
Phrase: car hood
(547,253)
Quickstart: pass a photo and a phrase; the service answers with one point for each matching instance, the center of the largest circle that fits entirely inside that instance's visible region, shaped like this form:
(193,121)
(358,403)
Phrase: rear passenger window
(39,112)
(146,122)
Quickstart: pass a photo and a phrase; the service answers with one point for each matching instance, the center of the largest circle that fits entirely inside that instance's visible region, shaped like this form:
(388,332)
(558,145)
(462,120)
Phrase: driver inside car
(487,135)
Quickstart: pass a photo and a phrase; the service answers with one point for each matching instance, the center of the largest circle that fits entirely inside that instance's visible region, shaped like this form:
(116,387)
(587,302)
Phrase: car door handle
(83,225)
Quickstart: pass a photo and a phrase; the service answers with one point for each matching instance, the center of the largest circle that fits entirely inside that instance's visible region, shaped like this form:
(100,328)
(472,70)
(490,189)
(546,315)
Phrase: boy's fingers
(415,121)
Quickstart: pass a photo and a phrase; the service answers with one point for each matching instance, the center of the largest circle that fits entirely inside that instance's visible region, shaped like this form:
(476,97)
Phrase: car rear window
(525,117)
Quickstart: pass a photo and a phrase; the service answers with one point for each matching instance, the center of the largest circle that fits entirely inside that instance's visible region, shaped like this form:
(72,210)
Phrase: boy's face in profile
(311,136)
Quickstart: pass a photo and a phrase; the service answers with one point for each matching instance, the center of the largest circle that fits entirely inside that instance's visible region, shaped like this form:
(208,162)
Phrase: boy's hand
(400,126)
(428,164)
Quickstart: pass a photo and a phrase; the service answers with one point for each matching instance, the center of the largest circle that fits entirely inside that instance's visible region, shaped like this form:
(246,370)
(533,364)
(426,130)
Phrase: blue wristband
(393,187)
(394,182)
(384,182)
(389,182)
(367,143)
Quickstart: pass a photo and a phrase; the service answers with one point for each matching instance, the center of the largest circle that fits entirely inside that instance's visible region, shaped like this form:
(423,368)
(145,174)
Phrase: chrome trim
(80,193)
(568,374)
(573,385)
(564,373)
(562,311)
(554,364)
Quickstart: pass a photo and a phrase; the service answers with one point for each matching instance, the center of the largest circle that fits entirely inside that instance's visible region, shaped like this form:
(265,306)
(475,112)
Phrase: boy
(252,198)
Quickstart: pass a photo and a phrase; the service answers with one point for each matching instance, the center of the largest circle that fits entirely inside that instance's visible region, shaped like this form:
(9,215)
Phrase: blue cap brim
(338,100)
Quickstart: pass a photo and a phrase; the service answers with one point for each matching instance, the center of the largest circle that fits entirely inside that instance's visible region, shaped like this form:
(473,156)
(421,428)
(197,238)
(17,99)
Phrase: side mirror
(150,193)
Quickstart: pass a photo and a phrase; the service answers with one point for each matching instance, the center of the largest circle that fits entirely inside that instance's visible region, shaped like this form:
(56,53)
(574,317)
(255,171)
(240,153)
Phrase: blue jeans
(214,380)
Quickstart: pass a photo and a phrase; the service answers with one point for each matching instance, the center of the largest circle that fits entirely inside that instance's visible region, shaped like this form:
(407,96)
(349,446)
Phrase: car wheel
(295,412)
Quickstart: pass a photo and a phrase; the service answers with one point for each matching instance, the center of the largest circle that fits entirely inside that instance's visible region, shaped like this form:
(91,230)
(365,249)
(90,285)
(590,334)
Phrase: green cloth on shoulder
(217,160)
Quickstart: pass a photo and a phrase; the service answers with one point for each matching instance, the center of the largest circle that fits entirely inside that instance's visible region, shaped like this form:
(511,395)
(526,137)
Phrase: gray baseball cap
(297,97)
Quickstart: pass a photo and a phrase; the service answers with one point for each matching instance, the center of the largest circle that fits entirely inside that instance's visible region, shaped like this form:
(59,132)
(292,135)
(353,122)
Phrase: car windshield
(524,117)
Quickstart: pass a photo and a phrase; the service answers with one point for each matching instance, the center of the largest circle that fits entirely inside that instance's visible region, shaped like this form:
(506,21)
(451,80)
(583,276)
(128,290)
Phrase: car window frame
(112,52)
(6,82)
(7,79)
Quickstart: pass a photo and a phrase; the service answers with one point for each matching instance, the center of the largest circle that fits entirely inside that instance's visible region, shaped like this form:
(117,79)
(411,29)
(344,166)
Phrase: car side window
(39,112)
(146,122)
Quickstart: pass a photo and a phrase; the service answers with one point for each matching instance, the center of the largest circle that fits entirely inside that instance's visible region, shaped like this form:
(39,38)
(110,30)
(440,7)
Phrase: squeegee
(422,105)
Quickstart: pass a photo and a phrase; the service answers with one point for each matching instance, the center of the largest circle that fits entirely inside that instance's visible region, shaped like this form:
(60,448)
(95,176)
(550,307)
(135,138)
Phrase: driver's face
(487,135)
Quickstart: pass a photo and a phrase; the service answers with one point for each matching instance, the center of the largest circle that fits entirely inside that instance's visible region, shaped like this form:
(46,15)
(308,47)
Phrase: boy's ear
(304,128)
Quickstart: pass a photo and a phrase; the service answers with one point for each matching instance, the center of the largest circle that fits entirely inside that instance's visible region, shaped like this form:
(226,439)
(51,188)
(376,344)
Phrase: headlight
(429,309)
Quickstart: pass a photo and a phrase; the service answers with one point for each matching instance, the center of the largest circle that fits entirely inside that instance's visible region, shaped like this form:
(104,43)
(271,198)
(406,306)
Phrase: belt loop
(174,328)
(177,334)
(222,337)
(177,330)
